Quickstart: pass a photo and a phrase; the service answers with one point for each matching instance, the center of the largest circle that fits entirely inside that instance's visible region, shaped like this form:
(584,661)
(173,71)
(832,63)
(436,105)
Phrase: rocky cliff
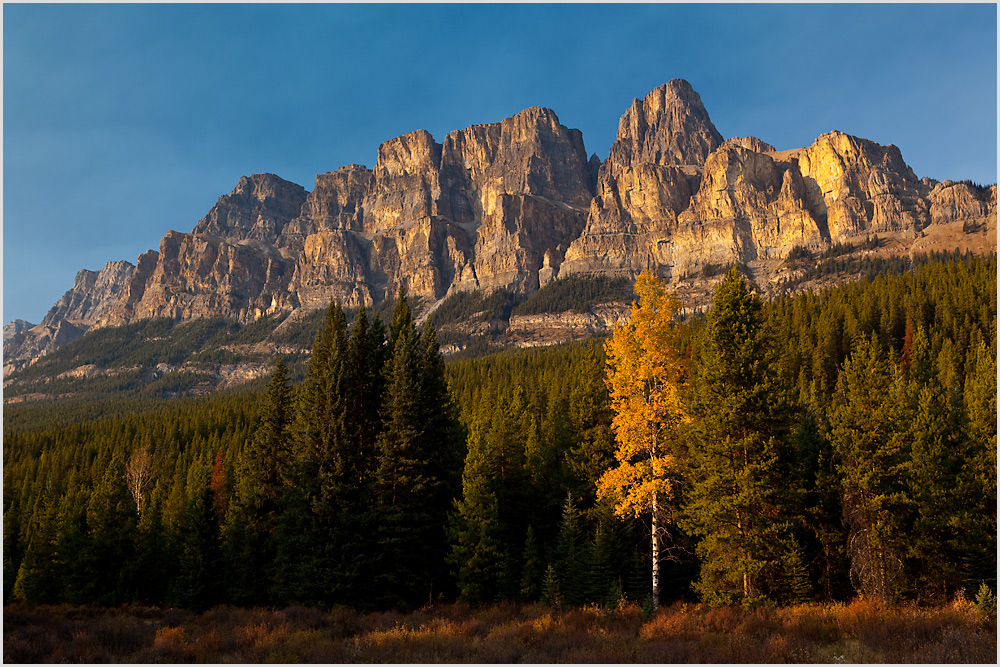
(516,204)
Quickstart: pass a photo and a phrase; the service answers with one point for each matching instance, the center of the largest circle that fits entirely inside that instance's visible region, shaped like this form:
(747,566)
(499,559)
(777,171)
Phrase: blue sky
(121,122)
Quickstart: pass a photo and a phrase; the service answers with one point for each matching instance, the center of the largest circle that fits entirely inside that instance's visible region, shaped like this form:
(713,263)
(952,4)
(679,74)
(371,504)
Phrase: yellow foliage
(643,375)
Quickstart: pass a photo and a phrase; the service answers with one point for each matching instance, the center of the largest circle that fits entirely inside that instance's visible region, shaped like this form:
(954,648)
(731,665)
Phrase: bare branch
(138,474)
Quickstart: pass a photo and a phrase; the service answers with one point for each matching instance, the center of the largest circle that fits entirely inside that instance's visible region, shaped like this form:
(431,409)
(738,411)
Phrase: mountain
(511,207)
(15,327)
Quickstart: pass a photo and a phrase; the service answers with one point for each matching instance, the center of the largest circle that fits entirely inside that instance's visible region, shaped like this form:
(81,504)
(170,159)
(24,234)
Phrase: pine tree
(111,535)
(935,545)
(869,439)
(40,576)
(570,555)
(313,566)
(475,531)
(532,571)
(404,484)
(739,451)
(198,584)
(263,470)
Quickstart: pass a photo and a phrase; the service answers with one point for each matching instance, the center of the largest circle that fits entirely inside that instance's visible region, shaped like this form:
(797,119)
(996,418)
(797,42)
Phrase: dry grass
(861,631)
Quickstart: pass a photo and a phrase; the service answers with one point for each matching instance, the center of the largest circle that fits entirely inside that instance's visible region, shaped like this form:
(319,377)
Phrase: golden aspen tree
(644,371)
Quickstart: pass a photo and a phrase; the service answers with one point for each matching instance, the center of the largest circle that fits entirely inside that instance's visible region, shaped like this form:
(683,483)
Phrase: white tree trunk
(656,555)
(138,472)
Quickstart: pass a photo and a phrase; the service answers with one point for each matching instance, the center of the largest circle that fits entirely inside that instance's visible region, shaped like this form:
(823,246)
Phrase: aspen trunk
(656,556)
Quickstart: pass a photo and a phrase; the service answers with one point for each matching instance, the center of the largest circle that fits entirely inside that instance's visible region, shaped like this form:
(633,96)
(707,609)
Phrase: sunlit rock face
(257,209)
(516,204)
(653,169)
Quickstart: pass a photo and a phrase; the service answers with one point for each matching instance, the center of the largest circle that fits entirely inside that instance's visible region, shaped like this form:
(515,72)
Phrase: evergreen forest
(818,447)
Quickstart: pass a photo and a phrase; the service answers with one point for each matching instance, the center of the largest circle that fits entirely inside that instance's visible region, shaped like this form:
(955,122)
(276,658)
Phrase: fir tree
(475,531)
(312,568)
(262,475)
(869,440)
(111,535)
(198,583)
(570,555)
(977,491)
(739,451)
(40,577)
(154,553)
(935,545)
(551,596)
(13,549)
(404,484)
(532,571)
(798,586)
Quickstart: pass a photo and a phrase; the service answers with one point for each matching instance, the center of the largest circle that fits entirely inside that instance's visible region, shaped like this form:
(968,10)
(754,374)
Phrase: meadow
(861,631)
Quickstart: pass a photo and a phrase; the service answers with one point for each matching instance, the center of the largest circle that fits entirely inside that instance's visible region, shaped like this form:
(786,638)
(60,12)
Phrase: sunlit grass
(859,631)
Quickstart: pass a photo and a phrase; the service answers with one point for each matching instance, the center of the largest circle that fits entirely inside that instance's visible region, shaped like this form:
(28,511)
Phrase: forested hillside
(853,431)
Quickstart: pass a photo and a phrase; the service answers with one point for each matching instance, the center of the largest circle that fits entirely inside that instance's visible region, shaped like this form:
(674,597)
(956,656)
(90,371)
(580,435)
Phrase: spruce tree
(154,553)
(198,584)
(532,570)
(551,596)
(868,434)
(570,555)
(936,543)
(312,564)
(262,475)
(475,530)
(739,451)
(978,488)
(40,577)
(111,536)
(404,484)
(13,549)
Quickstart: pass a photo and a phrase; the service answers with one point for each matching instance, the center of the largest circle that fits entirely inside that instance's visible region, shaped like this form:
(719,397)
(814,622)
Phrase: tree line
(812,447)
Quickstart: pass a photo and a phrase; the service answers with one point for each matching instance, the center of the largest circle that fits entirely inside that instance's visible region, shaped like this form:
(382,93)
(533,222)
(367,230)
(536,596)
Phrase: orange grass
(860,631)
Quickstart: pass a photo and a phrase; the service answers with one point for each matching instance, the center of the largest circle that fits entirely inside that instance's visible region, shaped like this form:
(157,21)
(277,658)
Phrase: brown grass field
(861,631)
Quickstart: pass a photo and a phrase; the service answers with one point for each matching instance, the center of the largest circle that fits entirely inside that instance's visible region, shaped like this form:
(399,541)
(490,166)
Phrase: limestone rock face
(674,207)
(529,153)
(258,208)
(748,208)
(856,187)
(406,181)
(669,127)
(335,203)
(648,179)
(516,204)
(521,187)
(951,201)
(330,266)
(200,275)
(749,143)
(15,327)
(94,295)
(26,347)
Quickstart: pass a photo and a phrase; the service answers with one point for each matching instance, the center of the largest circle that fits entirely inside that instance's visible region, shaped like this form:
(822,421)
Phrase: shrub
(986,603)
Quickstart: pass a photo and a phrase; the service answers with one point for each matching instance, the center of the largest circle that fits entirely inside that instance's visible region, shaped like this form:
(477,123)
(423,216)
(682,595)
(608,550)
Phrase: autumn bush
(858,631)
